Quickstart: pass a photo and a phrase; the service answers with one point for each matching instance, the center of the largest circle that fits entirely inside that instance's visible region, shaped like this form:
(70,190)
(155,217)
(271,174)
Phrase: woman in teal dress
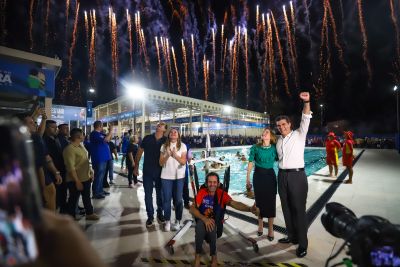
(263,155)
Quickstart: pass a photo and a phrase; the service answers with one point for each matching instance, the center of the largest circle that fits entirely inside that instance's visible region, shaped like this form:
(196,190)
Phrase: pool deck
(121,238)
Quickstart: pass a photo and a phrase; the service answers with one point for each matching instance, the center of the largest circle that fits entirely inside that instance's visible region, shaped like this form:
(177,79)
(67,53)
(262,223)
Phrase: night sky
(345,87)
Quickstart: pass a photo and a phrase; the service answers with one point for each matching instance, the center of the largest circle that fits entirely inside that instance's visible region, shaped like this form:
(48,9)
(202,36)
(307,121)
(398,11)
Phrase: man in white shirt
(292,180)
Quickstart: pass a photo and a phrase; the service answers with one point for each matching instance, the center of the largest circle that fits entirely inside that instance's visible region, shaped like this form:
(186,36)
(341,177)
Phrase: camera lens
(338,220)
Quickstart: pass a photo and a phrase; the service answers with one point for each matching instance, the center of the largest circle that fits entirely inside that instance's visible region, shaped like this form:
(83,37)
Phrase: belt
(292,170)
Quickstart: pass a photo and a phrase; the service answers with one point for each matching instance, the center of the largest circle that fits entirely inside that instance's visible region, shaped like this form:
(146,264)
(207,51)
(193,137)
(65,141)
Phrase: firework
(271,58)
(396,28)
(247,67)
(365,42)
(257,27)
(291,47)
(86,29)
(335,38)
(159,61)
(31,3)
(185,67)
(46,24)
(73,43)
(129,25)
(169,64)
(222,45)
(283,69)
(146,58)
(223,70)
(213,57)
(176,71)
(194,61)
(205,74)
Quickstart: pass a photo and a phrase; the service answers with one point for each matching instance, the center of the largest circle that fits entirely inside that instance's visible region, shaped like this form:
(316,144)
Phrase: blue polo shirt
(99,149)
(151,147)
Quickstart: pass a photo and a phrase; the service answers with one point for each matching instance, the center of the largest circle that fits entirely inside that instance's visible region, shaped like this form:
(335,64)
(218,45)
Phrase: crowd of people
(70,166)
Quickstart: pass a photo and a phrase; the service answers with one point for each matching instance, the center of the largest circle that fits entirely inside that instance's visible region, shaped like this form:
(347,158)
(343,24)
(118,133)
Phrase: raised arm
(306,116)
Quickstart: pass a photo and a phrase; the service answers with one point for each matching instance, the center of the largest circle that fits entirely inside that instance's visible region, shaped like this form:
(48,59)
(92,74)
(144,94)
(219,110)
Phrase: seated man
(209,204)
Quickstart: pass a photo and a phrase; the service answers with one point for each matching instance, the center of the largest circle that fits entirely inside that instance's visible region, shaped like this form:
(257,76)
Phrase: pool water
(315,159)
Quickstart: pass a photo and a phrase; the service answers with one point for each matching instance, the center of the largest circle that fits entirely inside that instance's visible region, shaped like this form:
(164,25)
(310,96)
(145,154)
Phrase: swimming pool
(314,161)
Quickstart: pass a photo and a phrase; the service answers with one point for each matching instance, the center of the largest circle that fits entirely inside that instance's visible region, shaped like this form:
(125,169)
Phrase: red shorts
(347,160)
(332,159)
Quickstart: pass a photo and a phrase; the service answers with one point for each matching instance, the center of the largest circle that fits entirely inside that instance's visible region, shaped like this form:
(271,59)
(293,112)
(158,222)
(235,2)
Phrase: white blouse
(172,169)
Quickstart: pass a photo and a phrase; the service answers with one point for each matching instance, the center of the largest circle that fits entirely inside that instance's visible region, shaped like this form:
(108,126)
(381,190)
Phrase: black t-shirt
(55,151)
(112,147)
(151,147)
(132,148)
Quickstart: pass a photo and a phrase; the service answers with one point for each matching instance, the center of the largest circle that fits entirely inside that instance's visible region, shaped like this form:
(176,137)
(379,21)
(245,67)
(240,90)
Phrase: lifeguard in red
(332,149)
(347,154)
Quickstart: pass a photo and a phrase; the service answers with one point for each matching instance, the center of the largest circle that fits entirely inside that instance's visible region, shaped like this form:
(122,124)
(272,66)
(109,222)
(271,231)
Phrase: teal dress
(264,179)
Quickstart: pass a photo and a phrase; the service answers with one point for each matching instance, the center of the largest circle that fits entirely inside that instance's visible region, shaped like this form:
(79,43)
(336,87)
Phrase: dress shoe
(301,252)
(287,240)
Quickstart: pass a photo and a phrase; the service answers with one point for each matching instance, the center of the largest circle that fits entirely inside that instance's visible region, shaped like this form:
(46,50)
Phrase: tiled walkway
(121,238)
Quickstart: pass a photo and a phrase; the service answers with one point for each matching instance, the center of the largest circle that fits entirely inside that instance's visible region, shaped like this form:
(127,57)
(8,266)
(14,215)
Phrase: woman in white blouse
(173,162)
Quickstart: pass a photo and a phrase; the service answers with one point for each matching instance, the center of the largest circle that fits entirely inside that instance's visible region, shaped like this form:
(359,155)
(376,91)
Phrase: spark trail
(73,43)
(194,61)
(335,38)
(129,25)
(185,67)
(396,28)
(46,24)
(283,69)
(291,49)
(365,41)
(247,67)
(159,62)
(31,3)
(176,71)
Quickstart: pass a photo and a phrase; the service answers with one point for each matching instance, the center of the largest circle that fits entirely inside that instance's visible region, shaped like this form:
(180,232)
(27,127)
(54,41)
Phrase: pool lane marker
(154,261)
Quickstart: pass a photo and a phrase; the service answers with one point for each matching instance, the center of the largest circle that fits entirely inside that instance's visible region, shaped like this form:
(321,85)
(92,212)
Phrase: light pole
(228,110)
(89,107)
(135,92)
(395,89)
(322,112)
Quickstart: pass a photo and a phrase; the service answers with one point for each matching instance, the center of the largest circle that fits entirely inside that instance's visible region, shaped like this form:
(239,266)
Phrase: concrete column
(159,117)
(143,118)
(119,122)
(201,119)
(190,122)
(173,116)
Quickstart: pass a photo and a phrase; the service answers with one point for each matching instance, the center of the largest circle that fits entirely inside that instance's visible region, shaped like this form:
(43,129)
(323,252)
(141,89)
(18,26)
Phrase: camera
(372,240)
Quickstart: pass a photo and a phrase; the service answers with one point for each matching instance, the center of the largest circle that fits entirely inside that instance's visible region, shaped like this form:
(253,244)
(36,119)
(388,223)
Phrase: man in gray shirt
(292,180)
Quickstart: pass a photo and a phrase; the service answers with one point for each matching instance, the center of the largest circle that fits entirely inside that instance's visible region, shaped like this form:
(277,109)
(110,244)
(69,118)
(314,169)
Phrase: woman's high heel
(270,238)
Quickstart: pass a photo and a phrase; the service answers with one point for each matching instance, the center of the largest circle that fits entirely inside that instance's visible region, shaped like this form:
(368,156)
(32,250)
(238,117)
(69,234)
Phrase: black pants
(130,173)
(61,196)
(74,196)
(185,194)
(202,234)
(293,188)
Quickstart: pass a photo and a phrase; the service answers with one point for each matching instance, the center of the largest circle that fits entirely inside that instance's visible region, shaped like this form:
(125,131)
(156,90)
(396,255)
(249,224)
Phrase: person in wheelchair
(208,209)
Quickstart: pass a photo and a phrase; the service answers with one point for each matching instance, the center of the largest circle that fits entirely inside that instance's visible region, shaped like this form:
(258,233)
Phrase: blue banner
(26,79)
(89,109)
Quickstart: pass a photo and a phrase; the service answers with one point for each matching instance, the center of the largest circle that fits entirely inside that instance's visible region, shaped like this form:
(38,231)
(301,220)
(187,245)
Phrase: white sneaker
(167,226)
(176,226)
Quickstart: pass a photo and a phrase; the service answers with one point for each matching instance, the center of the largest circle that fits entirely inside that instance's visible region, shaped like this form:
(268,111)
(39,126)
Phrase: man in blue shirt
(100,153)
(151,146)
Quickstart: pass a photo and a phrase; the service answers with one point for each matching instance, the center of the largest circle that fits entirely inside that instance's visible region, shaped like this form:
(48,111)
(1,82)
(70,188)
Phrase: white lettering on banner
(5,77)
